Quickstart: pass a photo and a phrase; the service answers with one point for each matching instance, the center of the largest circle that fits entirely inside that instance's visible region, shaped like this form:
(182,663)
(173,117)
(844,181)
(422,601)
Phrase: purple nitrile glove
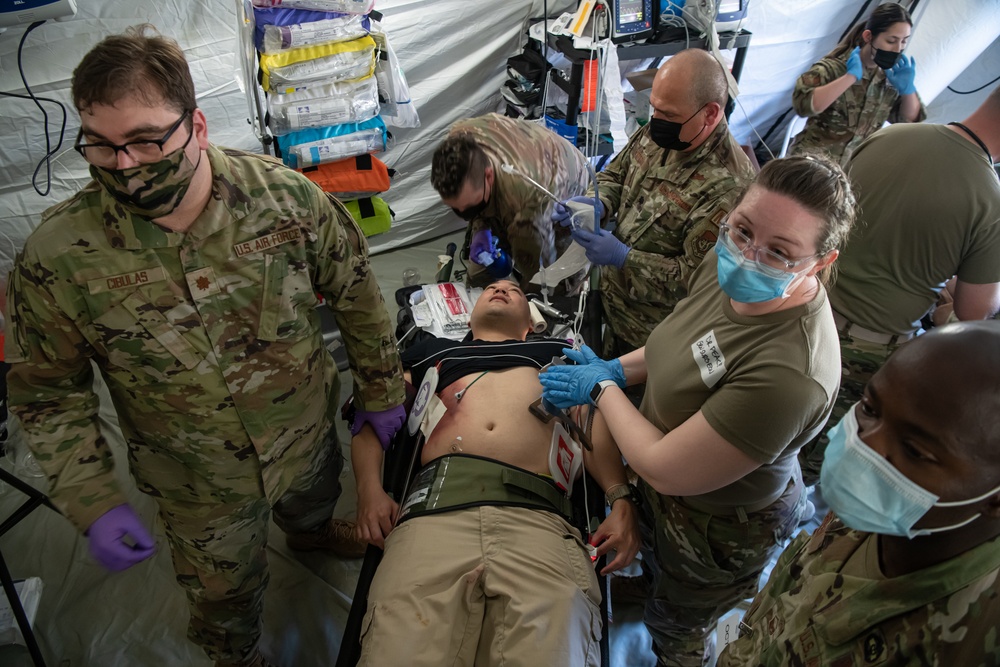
(107,539)
(385,423)
(482,242)
(603,249)
(562,213)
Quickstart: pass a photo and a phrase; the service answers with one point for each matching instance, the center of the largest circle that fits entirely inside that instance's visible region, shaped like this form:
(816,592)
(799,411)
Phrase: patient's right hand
(376,516)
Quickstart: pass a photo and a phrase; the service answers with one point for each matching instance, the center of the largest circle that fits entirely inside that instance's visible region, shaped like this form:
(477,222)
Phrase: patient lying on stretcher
(484,562)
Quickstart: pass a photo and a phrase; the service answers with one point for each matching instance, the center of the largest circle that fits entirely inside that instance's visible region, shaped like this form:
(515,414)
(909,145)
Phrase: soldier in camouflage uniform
(188,275)
(669,189)
(466,172)
(861,591)
(857,87)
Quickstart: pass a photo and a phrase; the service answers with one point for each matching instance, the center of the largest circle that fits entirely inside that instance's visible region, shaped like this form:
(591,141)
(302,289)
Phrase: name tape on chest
(709,358)
(266,242)
(126,280)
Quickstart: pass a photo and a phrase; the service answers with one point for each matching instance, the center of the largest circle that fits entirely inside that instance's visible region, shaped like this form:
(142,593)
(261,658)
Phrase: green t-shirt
(929,209)
(766,384)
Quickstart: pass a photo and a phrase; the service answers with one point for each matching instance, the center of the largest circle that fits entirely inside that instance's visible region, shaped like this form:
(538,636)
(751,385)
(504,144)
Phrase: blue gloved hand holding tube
(564,211)
(603,248)
(902,75)
(566,386)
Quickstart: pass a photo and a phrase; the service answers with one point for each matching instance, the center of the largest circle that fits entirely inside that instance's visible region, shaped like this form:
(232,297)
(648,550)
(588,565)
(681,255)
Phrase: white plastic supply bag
(342,61)
(322,105)
(333,144)
(30,593)
(397,108)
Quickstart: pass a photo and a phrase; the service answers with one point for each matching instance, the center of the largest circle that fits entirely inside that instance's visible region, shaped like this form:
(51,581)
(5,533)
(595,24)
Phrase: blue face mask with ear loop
(868,493)
(746,280)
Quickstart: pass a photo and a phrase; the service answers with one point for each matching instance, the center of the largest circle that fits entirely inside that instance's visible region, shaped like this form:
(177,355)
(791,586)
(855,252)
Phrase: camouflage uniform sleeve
(50,390)
(651,275)
(611,181)
(820,74)
(345,278)
(894,113)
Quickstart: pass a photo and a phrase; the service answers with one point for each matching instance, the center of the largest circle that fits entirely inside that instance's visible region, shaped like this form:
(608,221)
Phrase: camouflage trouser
(703,564)
(219,558)
(859,361)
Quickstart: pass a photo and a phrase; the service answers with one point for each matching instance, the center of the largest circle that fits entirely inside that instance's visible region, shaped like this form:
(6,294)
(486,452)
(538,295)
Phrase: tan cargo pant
(483,586)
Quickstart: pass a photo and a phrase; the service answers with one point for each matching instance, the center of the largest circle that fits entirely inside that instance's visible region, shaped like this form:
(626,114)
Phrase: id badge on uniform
(727,630)
(565,458)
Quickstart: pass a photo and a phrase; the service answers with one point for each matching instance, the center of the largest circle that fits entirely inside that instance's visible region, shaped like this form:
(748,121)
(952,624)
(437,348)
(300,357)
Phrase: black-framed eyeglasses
(143,151)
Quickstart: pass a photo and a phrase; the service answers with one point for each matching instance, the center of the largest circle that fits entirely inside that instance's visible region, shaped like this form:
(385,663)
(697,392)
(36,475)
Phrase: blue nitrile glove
(482,242)
(854,66)
(566,386)
(107,539)
(603,248)
(902,74)
(563,212)
(385,423)
(586,356)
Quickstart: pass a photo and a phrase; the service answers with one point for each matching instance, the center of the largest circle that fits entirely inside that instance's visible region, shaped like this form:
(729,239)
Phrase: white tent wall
(949,106)
(454,54)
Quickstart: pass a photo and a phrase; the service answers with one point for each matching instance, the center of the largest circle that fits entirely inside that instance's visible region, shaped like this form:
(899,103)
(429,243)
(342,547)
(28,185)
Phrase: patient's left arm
(620,530)
(376,510)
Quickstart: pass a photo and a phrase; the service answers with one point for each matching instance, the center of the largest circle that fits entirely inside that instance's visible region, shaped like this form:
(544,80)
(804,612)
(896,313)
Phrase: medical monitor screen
(630,12)
(731,13)
(633,19)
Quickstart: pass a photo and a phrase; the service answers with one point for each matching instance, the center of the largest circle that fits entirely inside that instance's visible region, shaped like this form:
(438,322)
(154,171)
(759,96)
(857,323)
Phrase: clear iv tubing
(595,271)
(510,169)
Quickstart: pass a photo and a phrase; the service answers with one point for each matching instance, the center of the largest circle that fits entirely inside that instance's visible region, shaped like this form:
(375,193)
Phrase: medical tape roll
(538,323)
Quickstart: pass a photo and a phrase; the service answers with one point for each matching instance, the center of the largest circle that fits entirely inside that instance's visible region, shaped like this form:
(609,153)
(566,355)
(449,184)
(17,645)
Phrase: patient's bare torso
(492,420)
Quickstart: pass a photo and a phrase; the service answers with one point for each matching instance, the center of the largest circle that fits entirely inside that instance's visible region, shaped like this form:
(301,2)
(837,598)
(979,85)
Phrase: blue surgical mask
(868,493)
(746,280)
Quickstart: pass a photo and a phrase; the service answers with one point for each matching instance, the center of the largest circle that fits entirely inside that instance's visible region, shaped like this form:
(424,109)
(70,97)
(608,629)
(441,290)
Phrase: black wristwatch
(598,389)
(627,491)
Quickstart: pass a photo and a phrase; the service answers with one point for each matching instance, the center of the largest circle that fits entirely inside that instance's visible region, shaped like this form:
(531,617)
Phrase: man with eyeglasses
(668,189)
(188,275)
(482,171)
